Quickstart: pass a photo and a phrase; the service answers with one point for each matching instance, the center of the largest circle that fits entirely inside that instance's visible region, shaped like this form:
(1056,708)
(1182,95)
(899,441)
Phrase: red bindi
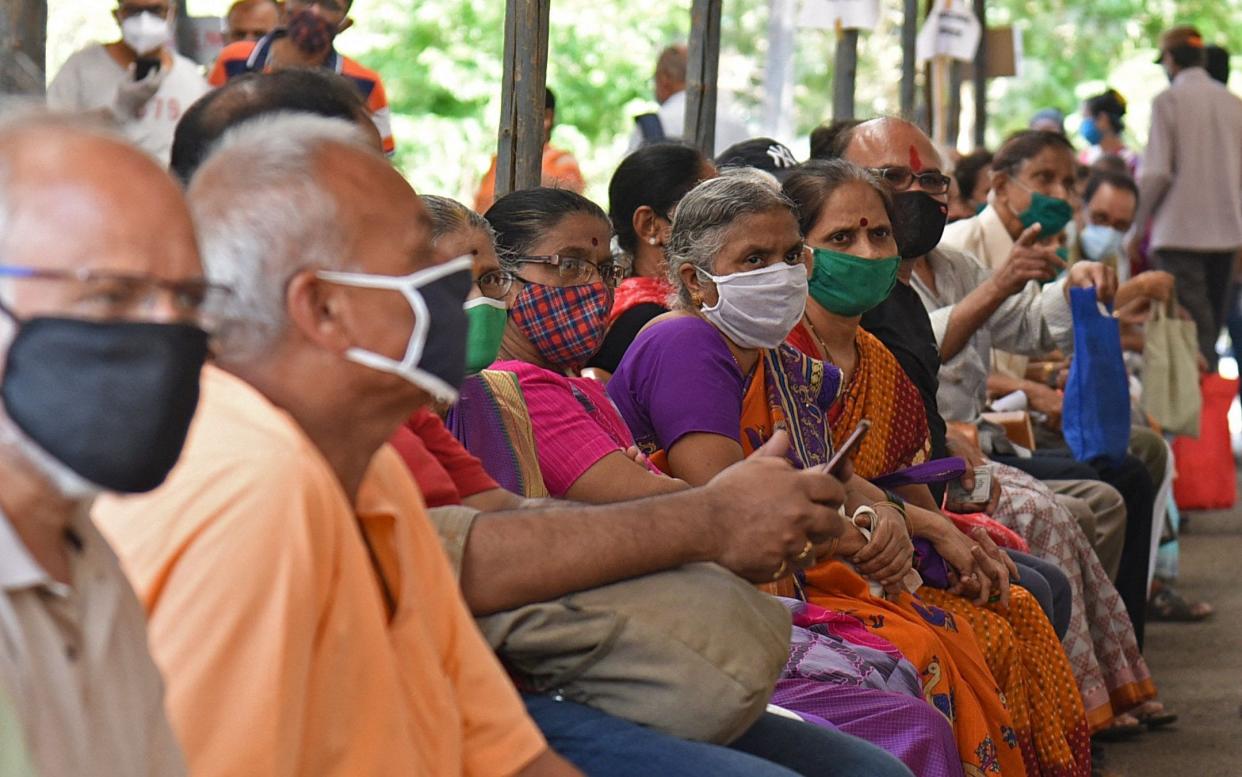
(916,162)
(862,222)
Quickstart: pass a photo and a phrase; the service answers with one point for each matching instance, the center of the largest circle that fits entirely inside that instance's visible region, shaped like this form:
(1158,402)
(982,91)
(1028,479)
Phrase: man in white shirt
(670,121)
(100,355)
(139,80)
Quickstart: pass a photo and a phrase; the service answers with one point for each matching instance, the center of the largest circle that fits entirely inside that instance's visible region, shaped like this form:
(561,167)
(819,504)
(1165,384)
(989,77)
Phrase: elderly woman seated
(737,259)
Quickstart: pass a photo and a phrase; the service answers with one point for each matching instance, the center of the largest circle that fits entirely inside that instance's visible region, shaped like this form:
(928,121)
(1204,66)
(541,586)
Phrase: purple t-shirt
(679,377)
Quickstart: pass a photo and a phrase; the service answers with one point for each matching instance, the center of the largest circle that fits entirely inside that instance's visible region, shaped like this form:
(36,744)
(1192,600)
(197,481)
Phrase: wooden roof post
(702,71)
(520,153)
(844,74)
(23,46)
(909,34)
(981,78)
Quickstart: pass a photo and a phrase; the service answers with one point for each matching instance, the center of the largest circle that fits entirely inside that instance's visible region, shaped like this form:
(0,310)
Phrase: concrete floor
(1198,667)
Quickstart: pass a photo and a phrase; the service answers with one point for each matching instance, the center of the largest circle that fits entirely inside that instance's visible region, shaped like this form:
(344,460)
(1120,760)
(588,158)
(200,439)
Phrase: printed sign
(951,30)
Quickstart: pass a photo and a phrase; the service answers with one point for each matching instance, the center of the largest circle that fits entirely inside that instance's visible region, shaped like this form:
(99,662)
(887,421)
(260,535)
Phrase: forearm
(969,316)
(533,555)
(928,524)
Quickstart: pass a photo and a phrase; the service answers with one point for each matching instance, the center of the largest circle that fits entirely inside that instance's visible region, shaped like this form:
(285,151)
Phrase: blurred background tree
(441,62)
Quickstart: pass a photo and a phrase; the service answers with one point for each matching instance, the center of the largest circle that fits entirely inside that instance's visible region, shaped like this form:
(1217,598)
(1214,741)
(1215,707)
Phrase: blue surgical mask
(1100,241)
(1090,131)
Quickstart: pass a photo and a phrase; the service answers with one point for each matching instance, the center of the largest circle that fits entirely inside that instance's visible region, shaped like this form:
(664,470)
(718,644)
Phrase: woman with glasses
(641,197)
(564,431)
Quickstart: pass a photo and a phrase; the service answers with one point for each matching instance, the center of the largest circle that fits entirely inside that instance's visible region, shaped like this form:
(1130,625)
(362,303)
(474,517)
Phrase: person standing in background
(250,20)
(1103,121)
(669,122)
(1191,184)
(559,169)
(138,80)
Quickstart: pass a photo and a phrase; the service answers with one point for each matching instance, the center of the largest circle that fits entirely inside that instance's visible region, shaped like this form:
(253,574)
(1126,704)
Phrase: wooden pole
(953,117)
(778,77)
(23,46)
(981,77)
(187,43)
(845,75)
(520,152)
(909,35)
(702,71)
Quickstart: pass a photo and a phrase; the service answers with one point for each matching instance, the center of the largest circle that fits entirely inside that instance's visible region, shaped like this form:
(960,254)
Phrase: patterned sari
(1020,647)
(956,680)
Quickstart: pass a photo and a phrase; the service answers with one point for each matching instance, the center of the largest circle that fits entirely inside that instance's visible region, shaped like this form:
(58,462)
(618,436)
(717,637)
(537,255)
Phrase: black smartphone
(852,442)
(145,65)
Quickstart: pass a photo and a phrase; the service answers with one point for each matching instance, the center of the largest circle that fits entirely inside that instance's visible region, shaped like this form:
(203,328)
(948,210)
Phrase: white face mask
(145,32)
(1100,242)
(443,346)
(758,309)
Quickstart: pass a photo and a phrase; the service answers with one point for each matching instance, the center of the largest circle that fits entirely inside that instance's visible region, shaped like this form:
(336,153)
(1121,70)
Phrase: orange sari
(1019,645)
(956,679)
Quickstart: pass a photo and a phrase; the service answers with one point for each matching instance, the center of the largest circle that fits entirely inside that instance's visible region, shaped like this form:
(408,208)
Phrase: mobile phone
(981,493)
(144,65)
(855,437)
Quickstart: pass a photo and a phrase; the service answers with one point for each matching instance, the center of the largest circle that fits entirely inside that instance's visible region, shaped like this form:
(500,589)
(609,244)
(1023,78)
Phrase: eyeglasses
(108,296)
(573,271)
(899,179)
(495,283)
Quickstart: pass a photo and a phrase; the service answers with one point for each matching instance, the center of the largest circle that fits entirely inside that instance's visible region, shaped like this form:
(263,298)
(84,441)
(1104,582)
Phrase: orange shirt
(267,619)
(255,57)
(560,169)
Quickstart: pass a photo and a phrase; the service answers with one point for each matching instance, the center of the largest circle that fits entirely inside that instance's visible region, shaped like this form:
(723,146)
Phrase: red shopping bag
(1206,476)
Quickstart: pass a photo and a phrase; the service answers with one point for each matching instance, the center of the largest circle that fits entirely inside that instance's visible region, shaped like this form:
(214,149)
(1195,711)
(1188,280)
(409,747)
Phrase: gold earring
(696,299)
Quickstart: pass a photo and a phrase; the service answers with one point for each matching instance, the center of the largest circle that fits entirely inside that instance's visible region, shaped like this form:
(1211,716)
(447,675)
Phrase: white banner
(854,14)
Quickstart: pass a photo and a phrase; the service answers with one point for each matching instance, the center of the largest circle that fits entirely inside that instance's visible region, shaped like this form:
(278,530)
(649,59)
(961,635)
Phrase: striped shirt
(256,57)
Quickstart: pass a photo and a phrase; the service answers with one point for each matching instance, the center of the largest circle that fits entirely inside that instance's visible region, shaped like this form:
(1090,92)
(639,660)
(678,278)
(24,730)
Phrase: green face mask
(1051,213)
(849,285)
(487,319)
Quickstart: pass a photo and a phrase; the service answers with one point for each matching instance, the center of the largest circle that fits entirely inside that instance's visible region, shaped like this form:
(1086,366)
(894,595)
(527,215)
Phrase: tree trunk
(702,72)
(520,156)
(23,46)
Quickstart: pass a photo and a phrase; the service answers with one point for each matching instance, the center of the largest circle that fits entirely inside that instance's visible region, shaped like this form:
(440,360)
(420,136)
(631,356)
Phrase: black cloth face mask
(112,401)
(918,223)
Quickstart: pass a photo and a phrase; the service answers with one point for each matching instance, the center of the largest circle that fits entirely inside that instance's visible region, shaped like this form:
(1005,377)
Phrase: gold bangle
(807,549)
(780,571)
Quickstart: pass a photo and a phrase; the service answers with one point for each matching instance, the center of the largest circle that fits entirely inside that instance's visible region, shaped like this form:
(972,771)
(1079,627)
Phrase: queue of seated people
(402,488)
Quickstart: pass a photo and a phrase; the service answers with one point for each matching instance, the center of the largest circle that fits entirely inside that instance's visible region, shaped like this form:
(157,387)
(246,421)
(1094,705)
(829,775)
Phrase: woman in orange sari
(844,218)
(738,262)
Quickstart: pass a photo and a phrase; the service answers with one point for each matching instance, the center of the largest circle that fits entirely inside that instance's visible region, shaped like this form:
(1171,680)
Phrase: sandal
(1123,728)
(1168,606)
(1153,715)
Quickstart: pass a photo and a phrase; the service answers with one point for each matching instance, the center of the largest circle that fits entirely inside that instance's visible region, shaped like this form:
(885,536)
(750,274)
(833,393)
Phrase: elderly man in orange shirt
(300,604)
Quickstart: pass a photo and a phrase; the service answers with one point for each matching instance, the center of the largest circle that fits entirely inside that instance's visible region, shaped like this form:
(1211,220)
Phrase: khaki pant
(1101,512)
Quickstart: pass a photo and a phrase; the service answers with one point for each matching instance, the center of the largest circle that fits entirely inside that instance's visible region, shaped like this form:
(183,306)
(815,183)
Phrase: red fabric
(1002,535)
(637,290)
(445,472)
(1206,475)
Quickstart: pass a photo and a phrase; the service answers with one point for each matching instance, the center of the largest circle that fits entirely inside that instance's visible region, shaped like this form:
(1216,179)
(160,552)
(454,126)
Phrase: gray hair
(704,216)
(261,213)
(448,217)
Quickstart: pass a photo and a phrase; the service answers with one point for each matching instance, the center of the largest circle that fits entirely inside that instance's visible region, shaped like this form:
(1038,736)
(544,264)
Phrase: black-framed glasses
(575,271)
(899,179)
(495,283)
(103,295)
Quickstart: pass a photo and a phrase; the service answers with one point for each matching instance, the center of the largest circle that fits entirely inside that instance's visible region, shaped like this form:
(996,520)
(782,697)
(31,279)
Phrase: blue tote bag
(1096,413)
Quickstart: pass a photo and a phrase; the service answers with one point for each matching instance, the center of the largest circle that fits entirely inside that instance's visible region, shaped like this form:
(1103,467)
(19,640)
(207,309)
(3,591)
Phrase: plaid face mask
(566,325)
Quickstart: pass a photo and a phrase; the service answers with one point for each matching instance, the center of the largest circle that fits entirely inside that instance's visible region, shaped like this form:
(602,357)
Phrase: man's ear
(314,309)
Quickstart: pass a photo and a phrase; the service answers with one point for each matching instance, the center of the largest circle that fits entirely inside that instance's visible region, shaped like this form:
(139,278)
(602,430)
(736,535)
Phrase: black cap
(764,154)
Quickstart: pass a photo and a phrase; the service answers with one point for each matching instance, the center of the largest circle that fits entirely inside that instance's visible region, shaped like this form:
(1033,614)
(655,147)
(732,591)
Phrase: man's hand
(763,512)
(1157,285)
(1044,400)
(1101,276)
(1027,262)
(132,95)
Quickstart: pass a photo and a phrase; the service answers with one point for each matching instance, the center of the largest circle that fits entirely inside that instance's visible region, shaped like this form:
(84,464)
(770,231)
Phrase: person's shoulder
(90,56)
(957,233)
(677,332)
(242,50)
(366,78)
(953,257)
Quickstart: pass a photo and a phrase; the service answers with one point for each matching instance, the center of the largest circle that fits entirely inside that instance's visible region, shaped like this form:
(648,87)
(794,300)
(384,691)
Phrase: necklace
(823,346)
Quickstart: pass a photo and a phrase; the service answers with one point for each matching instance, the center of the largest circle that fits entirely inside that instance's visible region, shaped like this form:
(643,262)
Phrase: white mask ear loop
(408,285)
